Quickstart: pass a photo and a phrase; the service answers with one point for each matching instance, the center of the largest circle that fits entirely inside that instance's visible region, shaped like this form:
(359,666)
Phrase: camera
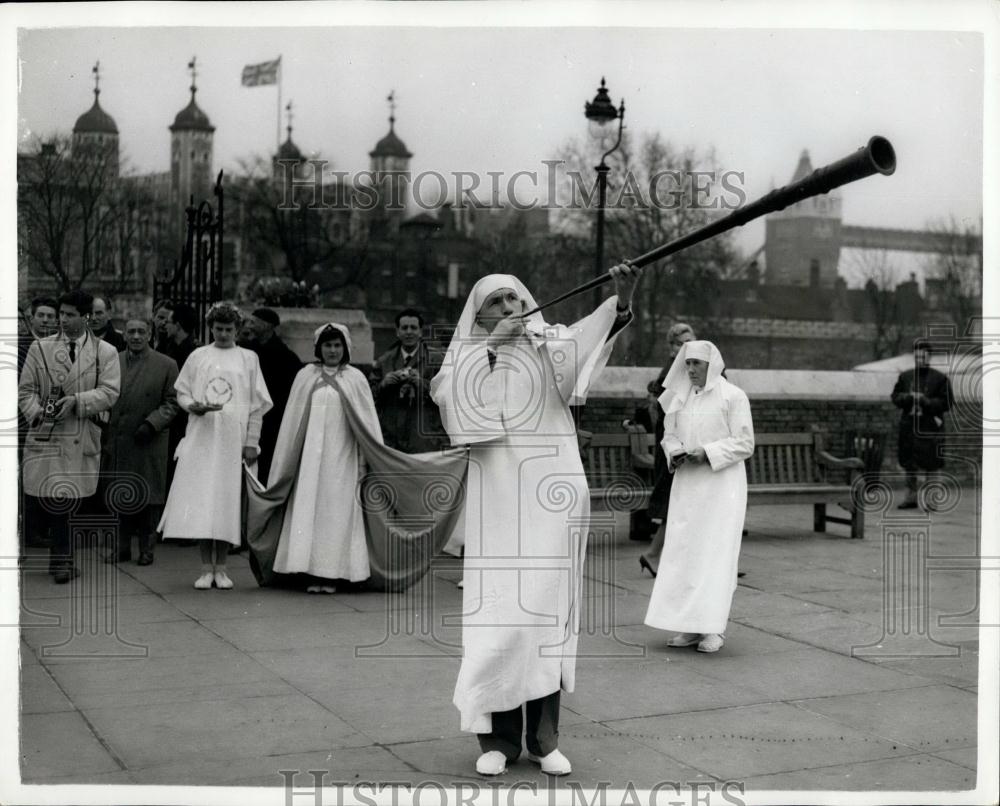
(51,406)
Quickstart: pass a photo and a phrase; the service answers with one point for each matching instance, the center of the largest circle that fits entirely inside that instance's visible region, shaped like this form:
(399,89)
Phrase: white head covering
(455,389)
(338,327)
(677,385)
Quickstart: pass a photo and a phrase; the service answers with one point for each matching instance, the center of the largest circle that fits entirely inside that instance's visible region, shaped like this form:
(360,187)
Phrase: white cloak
(696,578)
(527,512)
(323,531)
(204,498)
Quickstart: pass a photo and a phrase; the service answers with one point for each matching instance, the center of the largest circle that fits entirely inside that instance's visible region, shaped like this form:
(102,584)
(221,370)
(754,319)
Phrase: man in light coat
(68,383)
(134,459)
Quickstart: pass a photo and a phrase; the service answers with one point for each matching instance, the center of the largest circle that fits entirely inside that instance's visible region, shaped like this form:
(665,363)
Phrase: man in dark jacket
(100,325)
(400,384)
(134,456)
(924,395)
(279,365)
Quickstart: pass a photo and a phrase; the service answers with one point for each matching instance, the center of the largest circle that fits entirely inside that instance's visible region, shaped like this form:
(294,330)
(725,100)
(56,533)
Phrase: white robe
(696,578)
(527,511)
(204,498)
(323,531)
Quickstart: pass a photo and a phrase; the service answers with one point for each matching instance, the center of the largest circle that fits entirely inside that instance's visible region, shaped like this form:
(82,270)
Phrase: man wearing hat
(279,365)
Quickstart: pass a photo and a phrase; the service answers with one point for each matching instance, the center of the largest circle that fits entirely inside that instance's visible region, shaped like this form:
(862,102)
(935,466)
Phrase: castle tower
(390,163)
(288,163)
(191,137)
(802,246)
(95,133)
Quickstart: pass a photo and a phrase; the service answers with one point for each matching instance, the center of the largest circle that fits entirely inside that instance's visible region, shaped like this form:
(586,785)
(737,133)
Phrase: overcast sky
(502,99)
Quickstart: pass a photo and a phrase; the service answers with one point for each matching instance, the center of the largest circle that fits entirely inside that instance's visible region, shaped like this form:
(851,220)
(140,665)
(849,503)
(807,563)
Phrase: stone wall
(794,400)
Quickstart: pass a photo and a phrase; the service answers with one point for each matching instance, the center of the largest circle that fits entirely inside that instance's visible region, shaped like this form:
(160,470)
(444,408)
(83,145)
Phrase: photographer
(68,383)
(400,382)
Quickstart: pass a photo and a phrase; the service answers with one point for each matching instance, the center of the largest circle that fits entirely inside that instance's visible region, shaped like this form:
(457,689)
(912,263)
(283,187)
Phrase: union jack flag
(255,75)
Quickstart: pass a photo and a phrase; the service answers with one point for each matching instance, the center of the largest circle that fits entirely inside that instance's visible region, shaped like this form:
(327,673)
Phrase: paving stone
(749,602)
(958,671)
(966,756)
(221,729)
(40,694)
(737,743)
(806,673)
(883,776)
(339,765)
(247,602)
(61,744)
(596,753)
(158,640)
(652,687)
(142,608)
(927,719)
(832,630)
(92,683)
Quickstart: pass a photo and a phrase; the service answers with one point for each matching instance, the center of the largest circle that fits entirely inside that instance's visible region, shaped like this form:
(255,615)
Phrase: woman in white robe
(505,388)
(222,386)
(707,436)
(323,531)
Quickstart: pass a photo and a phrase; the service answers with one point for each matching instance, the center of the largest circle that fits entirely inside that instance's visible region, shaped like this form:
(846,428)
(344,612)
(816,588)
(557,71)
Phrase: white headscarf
(342,329)
(677,385)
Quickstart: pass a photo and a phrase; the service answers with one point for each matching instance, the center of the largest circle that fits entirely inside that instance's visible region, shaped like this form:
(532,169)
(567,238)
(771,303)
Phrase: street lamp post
(600,112)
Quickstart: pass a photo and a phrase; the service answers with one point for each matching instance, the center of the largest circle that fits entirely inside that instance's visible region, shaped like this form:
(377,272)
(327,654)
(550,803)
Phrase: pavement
(827,679)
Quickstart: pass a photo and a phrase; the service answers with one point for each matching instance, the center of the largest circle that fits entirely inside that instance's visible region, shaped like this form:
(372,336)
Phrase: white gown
(204,499)
(696,578)
(526,522)
(323,531)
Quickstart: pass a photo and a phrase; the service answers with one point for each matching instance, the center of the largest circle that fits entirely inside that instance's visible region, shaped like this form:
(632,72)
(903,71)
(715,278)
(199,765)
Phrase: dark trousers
(140,525)
(542,735)
(49,516)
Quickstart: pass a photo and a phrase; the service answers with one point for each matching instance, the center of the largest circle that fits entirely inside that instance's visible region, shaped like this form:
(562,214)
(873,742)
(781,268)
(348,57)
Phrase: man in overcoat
(400,384)
(68,383)
(134,460)
(923,395)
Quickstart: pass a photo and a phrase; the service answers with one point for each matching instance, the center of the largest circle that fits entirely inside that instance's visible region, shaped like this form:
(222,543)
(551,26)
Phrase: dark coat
(921,426)
(113,337)
(279,365)
(410,420)
(147,396)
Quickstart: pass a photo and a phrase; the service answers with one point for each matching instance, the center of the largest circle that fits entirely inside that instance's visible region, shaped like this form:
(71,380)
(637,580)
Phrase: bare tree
(656,193)
(79,218)
(958,270)
(880,276)
(294,231)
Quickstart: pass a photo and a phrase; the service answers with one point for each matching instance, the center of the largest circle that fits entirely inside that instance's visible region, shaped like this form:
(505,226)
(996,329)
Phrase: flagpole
(278,126)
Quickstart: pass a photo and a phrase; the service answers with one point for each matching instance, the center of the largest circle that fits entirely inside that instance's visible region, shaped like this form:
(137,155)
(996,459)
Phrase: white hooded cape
(527,501)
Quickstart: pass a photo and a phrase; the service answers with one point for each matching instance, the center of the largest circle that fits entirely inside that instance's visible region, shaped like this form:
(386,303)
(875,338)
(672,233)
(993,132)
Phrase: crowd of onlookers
(100,421)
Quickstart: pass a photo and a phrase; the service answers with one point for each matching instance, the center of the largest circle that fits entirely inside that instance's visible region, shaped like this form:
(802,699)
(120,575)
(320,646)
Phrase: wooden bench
(784,469)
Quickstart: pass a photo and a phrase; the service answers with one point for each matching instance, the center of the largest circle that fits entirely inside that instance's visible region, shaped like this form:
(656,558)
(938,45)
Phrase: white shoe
(555,763)
(684,639)
(492,763)
(711,643)
(204,582)
(461,584)
(313,589)
(222,581)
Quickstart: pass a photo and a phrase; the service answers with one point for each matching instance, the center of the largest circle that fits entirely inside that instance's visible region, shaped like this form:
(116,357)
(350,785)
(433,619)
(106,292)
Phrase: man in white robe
(504,389)
(222,386)
(707,436)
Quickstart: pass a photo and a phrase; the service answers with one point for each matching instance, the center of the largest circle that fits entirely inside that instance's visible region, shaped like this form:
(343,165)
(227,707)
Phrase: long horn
(877,156)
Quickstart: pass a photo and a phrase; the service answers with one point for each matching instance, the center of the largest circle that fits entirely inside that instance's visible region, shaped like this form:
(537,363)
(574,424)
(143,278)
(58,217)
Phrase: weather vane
(288,108)
(194,73)
(97,77)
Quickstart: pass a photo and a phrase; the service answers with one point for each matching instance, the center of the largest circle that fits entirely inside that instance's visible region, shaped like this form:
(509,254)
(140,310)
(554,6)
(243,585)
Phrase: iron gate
(197,281)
